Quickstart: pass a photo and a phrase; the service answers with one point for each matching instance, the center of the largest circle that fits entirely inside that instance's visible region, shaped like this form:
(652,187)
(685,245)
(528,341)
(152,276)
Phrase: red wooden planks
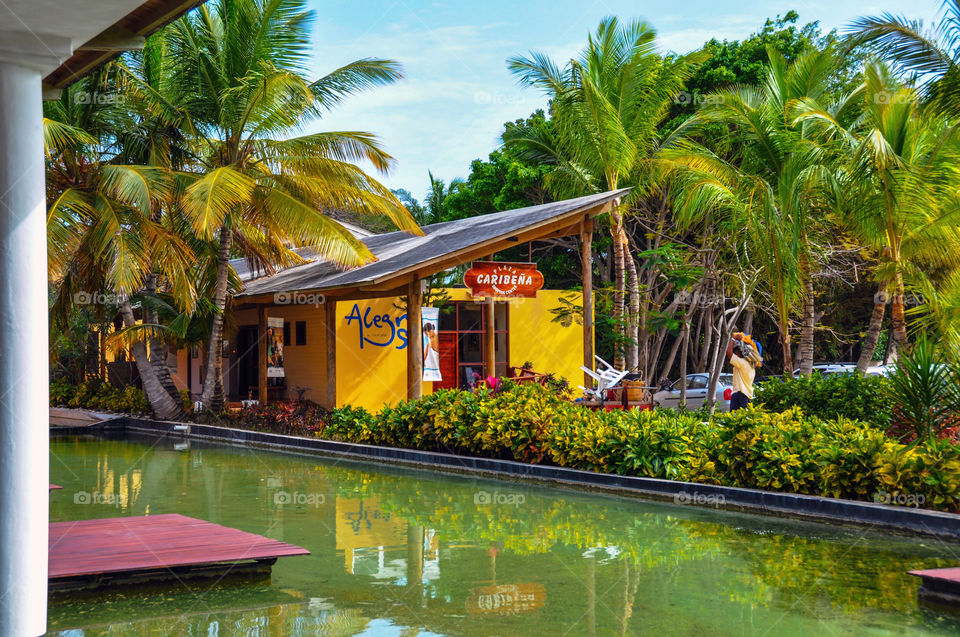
(939,574)
(116,545)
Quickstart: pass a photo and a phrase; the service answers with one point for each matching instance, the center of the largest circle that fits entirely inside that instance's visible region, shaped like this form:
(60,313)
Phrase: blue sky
(457,92)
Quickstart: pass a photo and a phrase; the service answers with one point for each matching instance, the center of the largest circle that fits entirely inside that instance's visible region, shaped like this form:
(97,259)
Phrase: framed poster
(430,317)
(274,343)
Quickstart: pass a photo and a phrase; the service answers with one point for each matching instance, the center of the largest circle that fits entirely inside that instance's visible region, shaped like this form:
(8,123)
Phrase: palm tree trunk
(158,348)
(787,351)
(162,403)
(897,315)
(748,319)
(806,333)
(616,229)
(212,395)
(873,332)
(684,349)
(633,288)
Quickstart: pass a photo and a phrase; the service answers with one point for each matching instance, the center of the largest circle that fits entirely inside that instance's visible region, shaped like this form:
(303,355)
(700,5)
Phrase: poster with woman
(274,343)
(431,343)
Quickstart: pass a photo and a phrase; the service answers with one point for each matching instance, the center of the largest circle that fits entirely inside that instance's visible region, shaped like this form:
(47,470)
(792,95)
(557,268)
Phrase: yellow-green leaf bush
(788,452)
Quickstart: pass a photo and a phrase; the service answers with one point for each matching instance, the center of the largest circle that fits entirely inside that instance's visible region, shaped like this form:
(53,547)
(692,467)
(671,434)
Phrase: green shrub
(96,394)
(754,448)
(925,393)
(851,396)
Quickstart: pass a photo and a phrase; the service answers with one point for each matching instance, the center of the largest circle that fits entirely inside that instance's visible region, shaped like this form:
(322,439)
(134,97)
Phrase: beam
(262,346)
(330,323)
(490,335)
(414,340)
(115,39)
(586,274)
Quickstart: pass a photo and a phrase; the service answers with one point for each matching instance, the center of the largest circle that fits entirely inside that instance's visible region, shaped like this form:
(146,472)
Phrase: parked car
(827,369)
(697,387)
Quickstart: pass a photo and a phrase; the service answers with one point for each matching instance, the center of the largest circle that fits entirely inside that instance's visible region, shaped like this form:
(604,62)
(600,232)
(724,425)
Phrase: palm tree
(900,176)
(774,185)
(607,106)
(435,203)
(102,234)
(241,78)
(930,55)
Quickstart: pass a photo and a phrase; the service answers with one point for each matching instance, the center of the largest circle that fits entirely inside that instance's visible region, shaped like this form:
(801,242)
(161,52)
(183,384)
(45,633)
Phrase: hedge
(755,448)
(853,396)
(98,395)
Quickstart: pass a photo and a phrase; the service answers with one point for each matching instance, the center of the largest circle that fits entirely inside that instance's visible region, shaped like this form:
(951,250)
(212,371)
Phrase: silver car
(697,387)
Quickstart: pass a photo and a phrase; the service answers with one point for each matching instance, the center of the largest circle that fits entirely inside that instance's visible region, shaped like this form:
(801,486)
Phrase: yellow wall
(376,373)
(551,347)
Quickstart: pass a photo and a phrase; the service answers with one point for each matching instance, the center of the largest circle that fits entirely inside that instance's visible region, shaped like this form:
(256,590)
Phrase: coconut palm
(241,78)
(929,54)
(901,174)
(102,233)
(607,105)
(772,188)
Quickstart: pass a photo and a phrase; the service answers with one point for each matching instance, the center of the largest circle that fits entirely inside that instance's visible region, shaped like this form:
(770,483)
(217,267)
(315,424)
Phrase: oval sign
(501,280)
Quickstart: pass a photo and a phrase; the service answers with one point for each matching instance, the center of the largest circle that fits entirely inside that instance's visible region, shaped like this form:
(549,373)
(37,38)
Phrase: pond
(404,552)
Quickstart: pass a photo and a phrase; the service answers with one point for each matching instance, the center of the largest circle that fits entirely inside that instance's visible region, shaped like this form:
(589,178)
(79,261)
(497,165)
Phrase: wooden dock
(111,551)
(940,587)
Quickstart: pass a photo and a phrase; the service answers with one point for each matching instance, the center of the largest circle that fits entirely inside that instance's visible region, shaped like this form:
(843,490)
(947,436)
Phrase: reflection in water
(400,552)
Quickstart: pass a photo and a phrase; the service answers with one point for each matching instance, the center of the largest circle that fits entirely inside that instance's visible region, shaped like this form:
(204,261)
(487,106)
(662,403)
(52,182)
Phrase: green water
(404,553)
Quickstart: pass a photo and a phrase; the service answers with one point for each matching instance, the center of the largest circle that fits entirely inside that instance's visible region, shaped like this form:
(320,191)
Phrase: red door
(448,361)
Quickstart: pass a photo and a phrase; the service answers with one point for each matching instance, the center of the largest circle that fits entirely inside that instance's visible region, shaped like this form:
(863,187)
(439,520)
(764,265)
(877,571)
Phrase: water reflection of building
(377,543)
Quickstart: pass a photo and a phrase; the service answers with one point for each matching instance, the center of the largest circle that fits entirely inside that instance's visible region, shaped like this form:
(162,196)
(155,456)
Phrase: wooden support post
(330,324)
(586,272)
(414,340)
(262,346)
(490,352)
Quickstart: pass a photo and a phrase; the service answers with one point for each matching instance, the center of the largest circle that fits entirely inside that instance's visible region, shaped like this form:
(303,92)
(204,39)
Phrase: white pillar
(24,388)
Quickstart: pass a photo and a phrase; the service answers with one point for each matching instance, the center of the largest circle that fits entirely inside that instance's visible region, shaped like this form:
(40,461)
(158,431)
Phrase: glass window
(448,318)
(697,382)
(500,317)
(470,375)
(471,316)
(286,333)
(471,348)
(301,332)
(500,347)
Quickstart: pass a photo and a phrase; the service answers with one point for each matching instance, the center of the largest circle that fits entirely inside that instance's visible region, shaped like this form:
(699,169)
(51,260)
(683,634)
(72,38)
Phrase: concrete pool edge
(849,512)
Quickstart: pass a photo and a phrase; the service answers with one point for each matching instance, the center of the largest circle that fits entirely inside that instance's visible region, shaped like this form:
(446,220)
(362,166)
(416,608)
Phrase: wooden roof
(401,256)
(149,17)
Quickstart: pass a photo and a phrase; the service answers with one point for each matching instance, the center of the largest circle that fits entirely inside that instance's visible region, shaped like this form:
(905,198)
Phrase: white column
(24,402)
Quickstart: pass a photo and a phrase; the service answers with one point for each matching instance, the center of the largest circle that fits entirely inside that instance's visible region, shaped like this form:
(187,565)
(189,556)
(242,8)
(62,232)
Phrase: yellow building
(300,311)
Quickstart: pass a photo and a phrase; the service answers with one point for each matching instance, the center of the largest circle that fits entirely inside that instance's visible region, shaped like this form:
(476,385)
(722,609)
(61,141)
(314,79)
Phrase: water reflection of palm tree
(415,537)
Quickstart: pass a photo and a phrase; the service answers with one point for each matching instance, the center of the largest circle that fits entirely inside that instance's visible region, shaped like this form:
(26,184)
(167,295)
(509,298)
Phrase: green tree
(929,55)
(771,180)
(103,235)
(607,106)
(900,174)
(240,76)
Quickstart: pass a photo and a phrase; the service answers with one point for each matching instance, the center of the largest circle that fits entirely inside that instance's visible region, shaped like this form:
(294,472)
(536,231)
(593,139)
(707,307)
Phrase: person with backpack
(745,357)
